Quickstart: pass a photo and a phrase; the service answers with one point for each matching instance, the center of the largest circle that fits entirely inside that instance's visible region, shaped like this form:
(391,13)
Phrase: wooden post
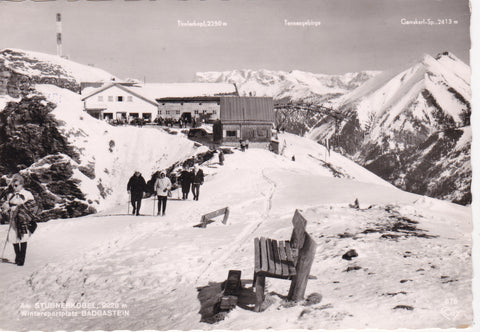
(259,291)
(304,264)
(225,216)
(204,221)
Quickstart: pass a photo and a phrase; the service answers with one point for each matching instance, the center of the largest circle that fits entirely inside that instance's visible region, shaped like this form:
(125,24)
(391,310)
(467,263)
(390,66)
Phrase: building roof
(172,90)
(187,99)
(90,93)
(246,109)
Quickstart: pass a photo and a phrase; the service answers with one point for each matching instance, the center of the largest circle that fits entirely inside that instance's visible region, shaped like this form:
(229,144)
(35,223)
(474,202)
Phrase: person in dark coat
(22,208)
(186,181)
(221,157)
(242,145)
(197,180)
(136,187)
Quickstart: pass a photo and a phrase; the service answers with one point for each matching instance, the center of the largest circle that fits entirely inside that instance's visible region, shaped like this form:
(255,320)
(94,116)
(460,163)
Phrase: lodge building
(241,117)
(245,118)
(127,101)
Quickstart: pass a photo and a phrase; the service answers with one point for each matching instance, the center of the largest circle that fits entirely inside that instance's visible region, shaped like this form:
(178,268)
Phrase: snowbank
(115,152)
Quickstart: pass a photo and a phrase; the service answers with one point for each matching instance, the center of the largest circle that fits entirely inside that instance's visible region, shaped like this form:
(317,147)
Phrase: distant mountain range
(285,86)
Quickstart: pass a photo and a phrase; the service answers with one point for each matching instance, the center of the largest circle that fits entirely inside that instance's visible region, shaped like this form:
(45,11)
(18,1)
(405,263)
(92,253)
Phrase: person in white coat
(21,207)
(162,187)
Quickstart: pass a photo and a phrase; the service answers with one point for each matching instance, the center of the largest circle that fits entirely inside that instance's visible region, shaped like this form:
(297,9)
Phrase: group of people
(190,179)
(20,208)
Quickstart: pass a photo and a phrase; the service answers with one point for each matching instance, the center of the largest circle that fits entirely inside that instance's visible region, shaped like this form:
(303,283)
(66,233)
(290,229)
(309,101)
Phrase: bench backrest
(298,235)
(303,247)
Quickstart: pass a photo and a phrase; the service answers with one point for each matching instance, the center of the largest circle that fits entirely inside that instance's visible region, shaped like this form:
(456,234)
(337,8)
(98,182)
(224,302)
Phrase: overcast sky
(144,38)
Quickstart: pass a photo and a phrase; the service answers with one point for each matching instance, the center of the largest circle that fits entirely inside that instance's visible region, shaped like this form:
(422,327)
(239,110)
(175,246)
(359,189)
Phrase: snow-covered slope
(413,268)
(296,85)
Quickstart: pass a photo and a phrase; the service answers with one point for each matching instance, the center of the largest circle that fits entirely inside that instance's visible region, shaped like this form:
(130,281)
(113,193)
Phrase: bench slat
(276,258)
(216,213)
(291,266)
(283,258)
(263,252)
(257,254)
(271,263)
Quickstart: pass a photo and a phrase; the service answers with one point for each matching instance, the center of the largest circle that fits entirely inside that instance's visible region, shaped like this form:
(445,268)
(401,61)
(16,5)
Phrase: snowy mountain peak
(418,111)
(433,85)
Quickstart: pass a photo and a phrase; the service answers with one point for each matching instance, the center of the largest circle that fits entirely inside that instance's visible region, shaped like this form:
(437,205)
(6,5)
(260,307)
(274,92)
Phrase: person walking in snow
(21,207)
(161,187)
(197,179)
(136,187)
(185,181)
(242,145)
(221,157)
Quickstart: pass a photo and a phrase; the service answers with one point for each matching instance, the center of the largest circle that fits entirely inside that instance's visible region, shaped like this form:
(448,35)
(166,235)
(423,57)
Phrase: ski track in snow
(249,229)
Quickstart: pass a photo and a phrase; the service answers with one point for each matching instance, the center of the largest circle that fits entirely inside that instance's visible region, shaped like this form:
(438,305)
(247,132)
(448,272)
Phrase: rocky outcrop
(18,74)
(31,144)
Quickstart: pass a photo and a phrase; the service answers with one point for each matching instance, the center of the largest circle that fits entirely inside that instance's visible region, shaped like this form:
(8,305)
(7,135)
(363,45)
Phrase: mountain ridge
(294,85)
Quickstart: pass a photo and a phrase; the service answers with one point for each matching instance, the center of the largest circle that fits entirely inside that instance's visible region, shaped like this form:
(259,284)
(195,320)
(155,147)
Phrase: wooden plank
(216,213)
(259,292)
(298,234)
(271,263)
(225,216)
(304,265)
(257,254)
(283,258)
(288,252)
(263,253)
(207,217)
(276,258)
(233,285)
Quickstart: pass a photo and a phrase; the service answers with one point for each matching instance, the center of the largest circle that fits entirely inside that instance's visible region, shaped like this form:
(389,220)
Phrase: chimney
(59,34)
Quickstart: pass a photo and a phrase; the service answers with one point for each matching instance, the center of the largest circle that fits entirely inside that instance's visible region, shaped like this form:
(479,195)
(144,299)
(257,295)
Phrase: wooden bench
(290,260)
(207,217)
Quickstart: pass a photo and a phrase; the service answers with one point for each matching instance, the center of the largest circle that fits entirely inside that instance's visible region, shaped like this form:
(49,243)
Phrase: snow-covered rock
(50,69)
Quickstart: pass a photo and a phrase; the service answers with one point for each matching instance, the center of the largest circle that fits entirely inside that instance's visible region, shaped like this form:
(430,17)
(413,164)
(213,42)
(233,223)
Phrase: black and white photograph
(237,165)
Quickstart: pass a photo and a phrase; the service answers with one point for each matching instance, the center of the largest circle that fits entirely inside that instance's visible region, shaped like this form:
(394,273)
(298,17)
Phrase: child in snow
(22,208)
(221,157)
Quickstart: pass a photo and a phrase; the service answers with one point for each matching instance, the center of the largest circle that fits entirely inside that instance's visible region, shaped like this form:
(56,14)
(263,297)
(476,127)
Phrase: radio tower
(59,34)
